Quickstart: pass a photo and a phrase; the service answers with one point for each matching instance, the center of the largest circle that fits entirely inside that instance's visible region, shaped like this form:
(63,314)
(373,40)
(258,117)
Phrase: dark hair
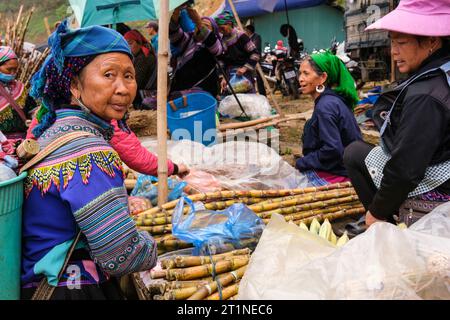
(314,65)
(154,25)
(250,28)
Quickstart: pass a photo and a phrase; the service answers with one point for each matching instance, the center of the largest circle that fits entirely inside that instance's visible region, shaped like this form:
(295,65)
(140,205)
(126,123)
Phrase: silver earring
(320,88)
(82,105)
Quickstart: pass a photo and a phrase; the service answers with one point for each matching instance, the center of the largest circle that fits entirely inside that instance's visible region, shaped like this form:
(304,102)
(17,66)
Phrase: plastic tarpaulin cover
(385,262)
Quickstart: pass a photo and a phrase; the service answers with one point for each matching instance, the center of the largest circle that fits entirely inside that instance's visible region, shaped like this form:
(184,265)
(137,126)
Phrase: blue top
(80,186)
(331,128)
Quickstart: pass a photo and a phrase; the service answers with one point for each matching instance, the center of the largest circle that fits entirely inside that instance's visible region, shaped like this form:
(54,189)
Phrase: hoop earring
(82,105)
(320,88)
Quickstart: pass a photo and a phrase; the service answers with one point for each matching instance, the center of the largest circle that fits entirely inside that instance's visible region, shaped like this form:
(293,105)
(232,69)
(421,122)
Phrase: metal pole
(163,60)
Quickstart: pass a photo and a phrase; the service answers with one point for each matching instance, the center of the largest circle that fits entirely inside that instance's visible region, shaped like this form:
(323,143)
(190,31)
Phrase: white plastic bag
(235,165)
(255,106)
(385,262)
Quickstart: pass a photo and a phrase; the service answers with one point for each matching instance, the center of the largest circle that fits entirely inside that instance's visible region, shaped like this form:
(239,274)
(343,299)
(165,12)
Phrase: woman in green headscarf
(332,126)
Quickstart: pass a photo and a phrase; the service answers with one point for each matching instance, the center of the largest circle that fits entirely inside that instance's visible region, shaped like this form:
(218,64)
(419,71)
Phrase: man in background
(256,39)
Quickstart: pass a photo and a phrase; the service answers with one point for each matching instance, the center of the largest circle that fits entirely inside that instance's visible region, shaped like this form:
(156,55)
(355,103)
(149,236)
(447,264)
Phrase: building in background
(316,22)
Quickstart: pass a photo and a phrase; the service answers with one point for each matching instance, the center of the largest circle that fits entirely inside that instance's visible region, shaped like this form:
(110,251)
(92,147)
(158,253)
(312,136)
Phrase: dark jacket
(331,128)
(418,136)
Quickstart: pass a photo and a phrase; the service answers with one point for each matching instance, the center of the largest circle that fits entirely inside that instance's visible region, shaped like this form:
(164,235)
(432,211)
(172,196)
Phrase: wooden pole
(258,67)
(163,60)
(391,7)
(47,27)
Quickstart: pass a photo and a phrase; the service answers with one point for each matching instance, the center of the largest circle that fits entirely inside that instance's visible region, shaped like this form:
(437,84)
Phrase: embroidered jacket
(80,187)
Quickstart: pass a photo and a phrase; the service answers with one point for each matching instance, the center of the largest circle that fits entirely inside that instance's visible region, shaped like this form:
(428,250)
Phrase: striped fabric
(80,186)
(112,236)
(6,53)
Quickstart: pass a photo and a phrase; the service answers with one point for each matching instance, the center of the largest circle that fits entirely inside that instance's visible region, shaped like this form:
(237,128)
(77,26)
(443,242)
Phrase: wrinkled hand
(370,219)
(241,71)
(183,171)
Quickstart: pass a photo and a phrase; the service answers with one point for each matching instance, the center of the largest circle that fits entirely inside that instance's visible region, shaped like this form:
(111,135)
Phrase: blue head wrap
(71,51)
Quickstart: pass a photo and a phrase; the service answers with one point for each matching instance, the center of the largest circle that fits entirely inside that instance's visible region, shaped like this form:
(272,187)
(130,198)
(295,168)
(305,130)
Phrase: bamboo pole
(235,125)
(250,125)
(258,66)
(163,60)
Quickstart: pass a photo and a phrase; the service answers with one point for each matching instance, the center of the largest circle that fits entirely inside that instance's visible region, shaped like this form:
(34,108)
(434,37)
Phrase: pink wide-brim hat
(417,17)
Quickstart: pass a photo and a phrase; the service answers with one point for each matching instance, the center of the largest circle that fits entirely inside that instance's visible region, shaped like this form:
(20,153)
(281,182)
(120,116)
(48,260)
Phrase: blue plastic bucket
(11,200)
(193,117)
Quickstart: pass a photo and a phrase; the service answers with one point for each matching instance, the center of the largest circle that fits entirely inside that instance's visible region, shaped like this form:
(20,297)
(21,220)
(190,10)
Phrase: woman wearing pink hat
(410,171)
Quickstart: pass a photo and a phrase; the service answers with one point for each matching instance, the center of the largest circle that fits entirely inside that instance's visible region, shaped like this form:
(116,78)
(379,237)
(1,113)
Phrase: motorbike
(286,72)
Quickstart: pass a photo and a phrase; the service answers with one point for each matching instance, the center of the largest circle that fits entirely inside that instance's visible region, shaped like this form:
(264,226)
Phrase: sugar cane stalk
(212,287)
(309,206)
(207,269)
(302,200)
(314,213)
(332,216)
(227,292)
(246,193)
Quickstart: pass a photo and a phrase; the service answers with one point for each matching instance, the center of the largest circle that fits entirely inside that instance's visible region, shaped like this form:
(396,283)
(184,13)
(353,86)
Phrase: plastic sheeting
(234,165)
(385,262)
(255,106)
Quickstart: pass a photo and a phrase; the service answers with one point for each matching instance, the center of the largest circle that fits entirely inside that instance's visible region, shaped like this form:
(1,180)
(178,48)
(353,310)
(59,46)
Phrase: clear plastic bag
(385,262)
(207,228)
(255,106)
(238,165)
(240,84)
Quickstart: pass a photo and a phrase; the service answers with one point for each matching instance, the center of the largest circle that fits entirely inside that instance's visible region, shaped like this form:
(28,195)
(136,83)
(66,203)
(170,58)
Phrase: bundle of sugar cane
(264,194)
(192,261)
(198,277)
(318,212)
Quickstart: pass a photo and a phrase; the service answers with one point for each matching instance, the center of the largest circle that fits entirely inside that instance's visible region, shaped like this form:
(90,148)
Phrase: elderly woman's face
(407,52)
(309,79)
(10,67)
(107,85)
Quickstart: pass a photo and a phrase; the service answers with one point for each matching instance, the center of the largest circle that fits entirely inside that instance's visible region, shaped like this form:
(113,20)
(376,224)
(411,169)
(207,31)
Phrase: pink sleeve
(135,156)
(33,124)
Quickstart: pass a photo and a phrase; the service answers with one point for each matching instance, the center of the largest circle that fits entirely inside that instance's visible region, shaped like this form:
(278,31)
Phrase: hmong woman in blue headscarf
(86,83)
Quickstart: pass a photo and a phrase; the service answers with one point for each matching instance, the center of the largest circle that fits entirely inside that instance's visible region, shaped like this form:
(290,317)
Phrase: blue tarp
(247,8)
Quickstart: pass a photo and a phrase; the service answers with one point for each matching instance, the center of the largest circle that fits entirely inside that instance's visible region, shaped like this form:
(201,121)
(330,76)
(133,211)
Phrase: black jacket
(418,136)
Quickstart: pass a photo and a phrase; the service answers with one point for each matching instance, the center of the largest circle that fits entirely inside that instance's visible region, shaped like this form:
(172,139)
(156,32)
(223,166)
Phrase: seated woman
(78,189)
(195,65)
(332,126)
(411,168)
(144,63)
(240,55)
(14,102)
